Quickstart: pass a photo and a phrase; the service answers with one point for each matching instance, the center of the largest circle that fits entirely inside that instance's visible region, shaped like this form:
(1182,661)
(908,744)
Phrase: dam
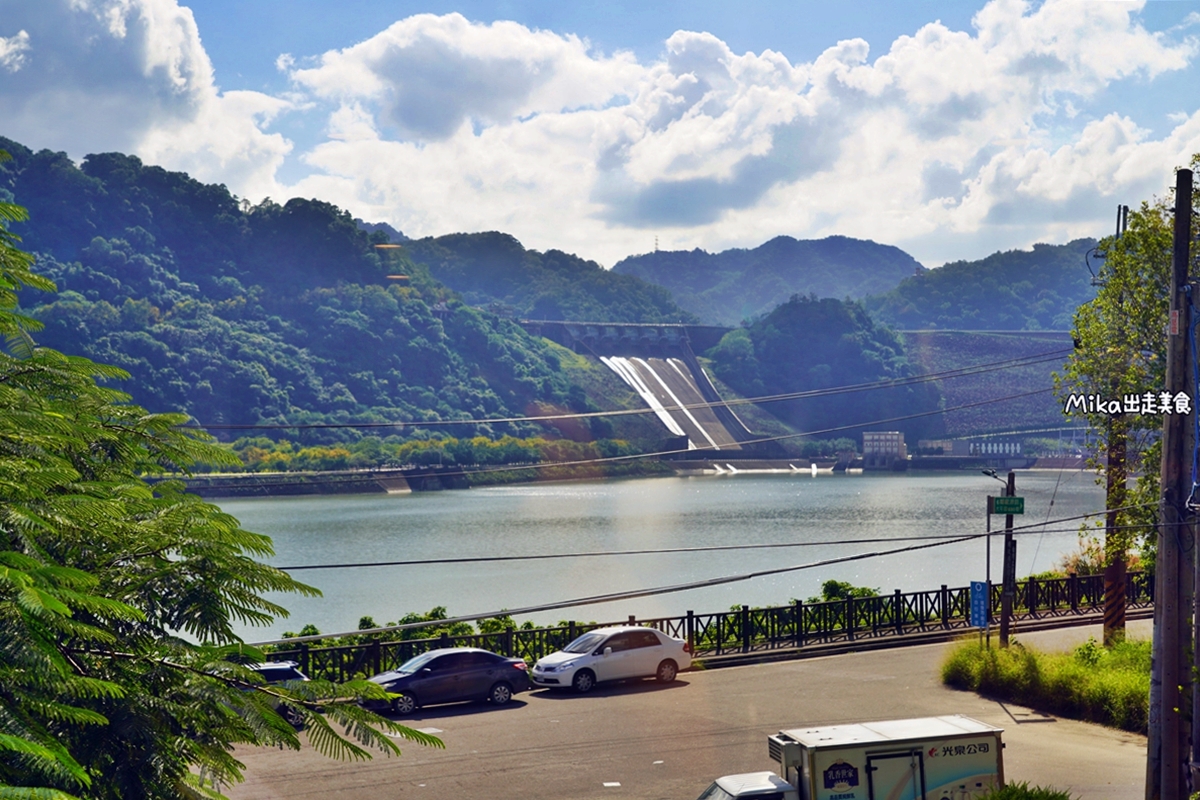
(657,362)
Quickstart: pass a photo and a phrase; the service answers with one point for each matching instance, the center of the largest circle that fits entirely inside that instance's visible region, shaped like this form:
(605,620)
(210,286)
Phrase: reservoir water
(640,514)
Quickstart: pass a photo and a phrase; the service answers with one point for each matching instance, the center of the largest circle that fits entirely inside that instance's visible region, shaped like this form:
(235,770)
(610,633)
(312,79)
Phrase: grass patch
(1110,686)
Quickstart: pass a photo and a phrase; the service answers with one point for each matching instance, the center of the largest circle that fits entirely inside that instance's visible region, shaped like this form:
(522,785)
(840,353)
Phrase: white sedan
(611,654)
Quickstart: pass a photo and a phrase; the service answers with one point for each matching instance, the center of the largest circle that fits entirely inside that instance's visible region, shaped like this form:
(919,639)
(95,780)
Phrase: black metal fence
(747,630)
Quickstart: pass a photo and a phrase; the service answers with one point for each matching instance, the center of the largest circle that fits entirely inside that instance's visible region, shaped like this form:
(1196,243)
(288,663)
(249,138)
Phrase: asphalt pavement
(643,740)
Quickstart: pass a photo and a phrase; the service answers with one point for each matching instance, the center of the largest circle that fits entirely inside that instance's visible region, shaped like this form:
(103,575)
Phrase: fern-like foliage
(107,582)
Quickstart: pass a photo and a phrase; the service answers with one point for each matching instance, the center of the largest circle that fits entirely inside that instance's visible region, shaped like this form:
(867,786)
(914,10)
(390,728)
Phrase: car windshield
(715,792)
(271,674)
(414,664)
(585,643)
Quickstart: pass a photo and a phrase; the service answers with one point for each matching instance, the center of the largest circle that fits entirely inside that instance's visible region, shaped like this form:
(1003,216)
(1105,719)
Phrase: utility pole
(1009,588)
(1114,538)
(1168,768)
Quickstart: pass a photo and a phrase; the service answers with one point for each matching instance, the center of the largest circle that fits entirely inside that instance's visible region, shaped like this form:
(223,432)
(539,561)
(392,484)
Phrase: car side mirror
(607,652)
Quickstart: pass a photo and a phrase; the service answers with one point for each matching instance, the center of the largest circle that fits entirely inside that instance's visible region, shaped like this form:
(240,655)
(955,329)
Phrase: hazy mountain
(734,285)
(495,269)
(1036,289)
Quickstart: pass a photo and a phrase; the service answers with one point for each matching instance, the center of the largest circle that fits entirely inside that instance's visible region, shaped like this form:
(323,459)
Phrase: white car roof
(765,782)
(622,629)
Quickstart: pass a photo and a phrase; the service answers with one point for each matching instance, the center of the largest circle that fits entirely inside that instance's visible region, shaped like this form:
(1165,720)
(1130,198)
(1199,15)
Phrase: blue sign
(979,604)
(841,775)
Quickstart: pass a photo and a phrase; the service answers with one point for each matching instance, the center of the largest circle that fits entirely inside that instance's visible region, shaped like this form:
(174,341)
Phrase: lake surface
(647,513)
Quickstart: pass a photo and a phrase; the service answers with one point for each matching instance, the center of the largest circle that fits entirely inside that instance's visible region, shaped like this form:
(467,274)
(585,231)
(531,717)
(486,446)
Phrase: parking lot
(645,740)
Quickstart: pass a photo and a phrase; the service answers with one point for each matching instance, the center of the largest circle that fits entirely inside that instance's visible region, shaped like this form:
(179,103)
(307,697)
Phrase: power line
(665,550)
(960,372)
(615,596)
(543,465)
(680,587)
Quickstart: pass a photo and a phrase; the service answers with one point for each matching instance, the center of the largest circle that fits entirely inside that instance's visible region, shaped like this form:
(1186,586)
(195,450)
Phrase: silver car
(611,654)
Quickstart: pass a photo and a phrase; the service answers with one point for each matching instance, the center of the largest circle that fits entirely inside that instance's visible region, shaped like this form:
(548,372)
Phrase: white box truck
(934,758)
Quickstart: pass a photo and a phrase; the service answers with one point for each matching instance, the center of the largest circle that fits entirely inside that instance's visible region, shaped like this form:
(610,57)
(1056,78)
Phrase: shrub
(1106,685)
(1023,791)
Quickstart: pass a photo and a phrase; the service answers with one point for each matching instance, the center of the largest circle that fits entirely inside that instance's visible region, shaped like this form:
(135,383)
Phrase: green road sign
(1008,505)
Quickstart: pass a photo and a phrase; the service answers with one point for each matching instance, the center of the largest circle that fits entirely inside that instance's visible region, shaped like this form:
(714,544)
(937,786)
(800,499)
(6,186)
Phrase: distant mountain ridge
(494,269)
(240,313)
(740,284)
(1036,289)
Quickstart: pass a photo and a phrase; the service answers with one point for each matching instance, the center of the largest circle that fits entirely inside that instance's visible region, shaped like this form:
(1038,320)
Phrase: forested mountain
(809,344)
(248,314)
(494,268)
(1036,289)
(735,285)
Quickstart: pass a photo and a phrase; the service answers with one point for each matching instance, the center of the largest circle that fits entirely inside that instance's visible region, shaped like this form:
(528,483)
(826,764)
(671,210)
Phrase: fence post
(798,611)
(1031,596)
(945,600)
(898,612)
(444,640)
(304,659)
(691,632)
(849,611)
(1073,591)
(571,631)
(745,629)
(632,619)
(508,641)
(376,660)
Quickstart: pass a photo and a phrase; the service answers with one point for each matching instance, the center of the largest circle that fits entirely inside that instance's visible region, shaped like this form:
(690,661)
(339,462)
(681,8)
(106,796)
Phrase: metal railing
(746,629)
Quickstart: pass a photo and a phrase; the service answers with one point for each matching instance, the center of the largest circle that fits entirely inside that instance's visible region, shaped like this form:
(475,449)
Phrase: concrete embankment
(376,481)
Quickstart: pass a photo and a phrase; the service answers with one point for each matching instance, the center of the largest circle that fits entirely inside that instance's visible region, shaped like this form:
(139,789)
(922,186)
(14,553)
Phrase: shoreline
(405,480)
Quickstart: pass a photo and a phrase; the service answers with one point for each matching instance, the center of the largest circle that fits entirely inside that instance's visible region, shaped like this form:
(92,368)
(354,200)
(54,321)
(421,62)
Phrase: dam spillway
(669,387)
(657,361)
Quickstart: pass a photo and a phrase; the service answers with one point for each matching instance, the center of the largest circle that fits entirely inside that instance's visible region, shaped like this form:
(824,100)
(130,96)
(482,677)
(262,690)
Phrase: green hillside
(1017,290)
(939,351)
(810,344)
(728,287)
(495,269)
(241,314)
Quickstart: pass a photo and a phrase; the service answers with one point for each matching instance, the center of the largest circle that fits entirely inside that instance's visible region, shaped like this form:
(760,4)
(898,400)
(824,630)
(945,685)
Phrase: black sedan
(450,675)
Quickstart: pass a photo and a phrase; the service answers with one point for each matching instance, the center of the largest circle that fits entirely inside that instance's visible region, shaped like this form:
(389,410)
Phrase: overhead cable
(615,596)
(978,369)
(729,454)
(665,550)
(627,595)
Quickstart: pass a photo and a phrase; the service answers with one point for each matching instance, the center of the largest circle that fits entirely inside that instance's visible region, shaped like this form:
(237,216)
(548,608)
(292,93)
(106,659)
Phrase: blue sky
(950,129)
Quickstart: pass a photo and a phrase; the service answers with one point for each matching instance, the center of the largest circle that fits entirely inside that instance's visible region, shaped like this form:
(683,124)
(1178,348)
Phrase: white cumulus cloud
(13,49)
(440,124)
(131,76)
(949,143)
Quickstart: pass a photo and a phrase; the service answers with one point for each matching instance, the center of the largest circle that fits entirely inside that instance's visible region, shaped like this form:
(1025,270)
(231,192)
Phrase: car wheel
(404,704)
(584,681)
(293,717)
(501,693)
(666,671)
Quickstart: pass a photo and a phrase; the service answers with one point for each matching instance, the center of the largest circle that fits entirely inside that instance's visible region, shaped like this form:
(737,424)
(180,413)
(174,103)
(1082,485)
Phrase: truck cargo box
(933,758)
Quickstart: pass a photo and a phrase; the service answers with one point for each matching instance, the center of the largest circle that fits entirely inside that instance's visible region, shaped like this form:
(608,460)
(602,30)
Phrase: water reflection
(635,515)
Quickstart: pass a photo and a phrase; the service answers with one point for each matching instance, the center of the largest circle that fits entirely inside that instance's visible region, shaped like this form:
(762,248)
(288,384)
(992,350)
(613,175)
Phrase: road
(642,740)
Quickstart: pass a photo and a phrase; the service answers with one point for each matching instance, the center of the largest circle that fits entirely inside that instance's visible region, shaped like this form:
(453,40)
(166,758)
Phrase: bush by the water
(1093,683)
